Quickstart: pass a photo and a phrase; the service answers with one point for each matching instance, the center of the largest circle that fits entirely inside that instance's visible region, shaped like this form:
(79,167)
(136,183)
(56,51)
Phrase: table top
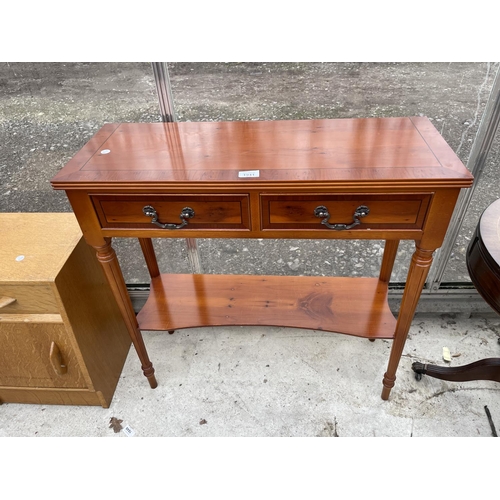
(35,246)
(358,151)
(489,226)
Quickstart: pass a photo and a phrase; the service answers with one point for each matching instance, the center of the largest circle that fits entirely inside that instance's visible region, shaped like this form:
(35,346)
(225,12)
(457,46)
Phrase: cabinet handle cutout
(5,301)
(322,213)
(56,359)
(187,213)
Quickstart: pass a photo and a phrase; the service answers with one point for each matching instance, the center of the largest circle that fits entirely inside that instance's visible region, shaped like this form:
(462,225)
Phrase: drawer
(386,211)
(209,211)
(28,357)
(29,299)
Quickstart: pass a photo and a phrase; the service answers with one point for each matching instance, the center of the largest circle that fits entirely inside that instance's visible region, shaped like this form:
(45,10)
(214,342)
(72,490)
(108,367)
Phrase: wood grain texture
(419,268)
(483,256)
(44,241)
(149,256)
(31,318)
(223,211)
(109,262)
(93,319)
(64,331)
(25,356)
(400,165)
(37,298)
(47,396)
(346,151)
(388,259)
(354,306)
(489,228)
(386,211)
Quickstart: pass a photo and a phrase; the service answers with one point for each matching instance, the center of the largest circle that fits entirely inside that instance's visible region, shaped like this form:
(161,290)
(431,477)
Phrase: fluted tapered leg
(417,274)
(107,257)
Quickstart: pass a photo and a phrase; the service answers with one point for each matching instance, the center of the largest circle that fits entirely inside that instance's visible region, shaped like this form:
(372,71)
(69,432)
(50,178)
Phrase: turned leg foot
(388,384)
(149,373)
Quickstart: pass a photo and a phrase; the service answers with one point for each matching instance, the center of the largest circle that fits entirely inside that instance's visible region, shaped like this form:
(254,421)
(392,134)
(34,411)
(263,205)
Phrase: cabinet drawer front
(29,299)
(386,211)
(25,359)
(210,211)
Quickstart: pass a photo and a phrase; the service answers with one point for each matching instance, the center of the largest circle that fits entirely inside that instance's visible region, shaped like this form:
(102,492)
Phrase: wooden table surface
(312,179)
(350,152)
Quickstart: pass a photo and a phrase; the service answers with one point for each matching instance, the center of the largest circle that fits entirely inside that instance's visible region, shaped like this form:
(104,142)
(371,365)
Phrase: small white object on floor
(446,354)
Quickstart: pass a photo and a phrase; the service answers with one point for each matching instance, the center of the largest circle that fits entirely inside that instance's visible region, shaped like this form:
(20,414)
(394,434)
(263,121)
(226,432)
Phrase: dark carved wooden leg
(419,268)
(485,369)
(107,257)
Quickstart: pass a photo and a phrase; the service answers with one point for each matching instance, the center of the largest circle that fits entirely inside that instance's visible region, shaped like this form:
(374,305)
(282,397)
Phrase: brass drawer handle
(322,213)
(5,301)
(56,359)
(187,213)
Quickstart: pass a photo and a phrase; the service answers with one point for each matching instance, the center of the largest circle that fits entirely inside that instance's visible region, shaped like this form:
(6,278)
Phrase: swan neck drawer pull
(187,213)
(322,213)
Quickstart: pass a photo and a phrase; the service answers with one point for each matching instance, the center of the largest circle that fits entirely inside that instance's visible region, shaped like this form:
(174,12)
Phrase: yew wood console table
(374,178)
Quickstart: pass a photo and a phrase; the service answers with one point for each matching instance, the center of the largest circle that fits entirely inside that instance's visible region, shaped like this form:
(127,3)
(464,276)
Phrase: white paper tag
(249,173)
(128,431)
(446,354)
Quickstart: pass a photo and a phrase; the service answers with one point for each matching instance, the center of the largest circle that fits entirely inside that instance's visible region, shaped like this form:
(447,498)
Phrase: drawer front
(210,211)
(26,360)
(29,299)
(386,211)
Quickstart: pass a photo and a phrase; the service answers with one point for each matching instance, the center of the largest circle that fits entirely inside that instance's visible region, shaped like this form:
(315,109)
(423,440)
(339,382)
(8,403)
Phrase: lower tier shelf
(353,306)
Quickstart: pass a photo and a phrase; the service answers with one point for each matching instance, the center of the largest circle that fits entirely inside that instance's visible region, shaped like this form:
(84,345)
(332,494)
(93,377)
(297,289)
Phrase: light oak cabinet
(63,339)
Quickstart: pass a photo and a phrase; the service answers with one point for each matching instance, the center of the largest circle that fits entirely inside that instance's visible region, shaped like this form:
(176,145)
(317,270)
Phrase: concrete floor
(277,382)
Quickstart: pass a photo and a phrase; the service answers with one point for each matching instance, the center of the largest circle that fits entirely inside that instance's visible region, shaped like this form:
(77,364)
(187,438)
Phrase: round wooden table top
(489,227)
(483,256)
